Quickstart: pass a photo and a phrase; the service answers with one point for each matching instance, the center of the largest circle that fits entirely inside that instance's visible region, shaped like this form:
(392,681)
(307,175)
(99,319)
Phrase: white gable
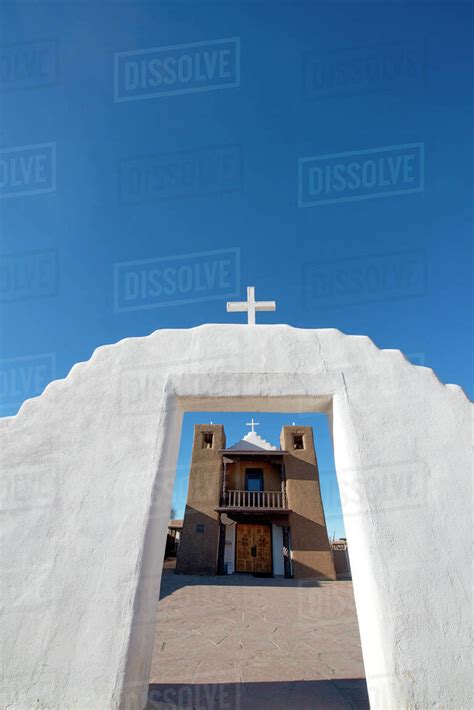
(252,442)
(88,470)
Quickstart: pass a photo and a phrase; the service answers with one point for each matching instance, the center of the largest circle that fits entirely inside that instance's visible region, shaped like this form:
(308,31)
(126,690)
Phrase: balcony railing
(255,499)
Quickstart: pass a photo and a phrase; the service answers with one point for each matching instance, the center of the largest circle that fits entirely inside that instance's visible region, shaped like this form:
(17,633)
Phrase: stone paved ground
(239,643)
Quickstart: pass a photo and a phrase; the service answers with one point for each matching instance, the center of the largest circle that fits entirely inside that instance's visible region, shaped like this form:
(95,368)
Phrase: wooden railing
(254,499)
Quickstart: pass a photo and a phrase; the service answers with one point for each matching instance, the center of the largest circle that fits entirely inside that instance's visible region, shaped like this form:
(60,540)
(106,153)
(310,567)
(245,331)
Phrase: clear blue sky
(174,170)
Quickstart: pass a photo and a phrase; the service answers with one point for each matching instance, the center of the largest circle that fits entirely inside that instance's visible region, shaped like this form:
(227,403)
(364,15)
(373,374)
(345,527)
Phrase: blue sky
(214,144)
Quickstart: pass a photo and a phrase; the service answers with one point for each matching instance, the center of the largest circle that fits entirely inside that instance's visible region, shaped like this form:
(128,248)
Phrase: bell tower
(197,553)
(311,551)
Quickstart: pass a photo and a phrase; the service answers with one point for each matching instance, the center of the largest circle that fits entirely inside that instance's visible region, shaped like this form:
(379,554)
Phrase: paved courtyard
(237,642)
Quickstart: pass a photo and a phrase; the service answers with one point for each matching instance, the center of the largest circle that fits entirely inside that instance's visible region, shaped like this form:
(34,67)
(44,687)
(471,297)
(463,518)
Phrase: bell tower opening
(207,439)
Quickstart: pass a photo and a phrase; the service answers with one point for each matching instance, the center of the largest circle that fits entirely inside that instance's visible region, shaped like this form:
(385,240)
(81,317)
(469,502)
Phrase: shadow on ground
(170,582)
(336,694)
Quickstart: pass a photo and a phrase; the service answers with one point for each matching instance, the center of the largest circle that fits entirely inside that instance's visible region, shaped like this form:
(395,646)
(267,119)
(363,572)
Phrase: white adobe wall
(277,550)
(229,550)
(87,474)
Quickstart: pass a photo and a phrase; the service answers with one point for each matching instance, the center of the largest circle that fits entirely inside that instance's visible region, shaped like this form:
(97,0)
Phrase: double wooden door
(253,548)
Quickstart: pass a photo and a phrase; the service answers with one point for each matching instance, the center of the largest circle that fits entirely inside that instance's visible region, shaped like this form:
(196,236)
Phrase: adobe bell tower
(311,551)
(197,553)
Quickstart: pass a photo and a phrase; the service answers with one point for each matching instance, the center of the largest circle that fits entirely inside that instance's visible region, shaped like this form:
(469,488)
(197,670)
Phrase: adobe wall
(310,550)
(198,545)
(88,470)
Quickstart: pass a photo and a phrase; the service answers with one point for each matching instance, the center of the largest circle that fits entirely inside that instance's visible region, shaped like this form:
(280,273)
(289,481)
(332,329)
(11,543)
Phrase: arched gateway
(88,471)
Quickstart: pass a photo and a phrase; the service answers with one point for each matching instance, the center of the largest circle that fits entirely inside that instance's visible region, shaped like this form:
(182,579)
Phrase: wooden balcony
(255,500)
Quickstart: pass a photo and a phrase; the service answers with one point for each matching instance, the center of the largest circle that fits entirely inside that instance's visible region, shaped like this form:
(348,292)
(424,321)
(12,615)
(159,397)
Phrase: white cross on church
(253,424)
(250,305)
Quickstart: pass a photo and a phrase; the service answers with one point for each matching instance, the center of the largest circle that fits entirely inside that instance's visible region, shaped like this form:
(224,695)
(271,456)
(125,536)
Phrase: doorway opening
(256,599)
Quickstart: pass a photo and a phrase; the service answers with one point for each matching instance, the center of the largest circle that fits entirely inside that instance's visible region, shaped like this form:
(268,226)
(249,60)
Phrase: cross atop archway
(252,423)
(250,305)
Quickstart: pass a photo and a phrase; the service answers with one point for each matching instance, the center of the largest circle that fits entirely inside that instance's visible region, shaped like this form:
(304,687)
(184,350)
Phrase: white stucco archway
(88,470)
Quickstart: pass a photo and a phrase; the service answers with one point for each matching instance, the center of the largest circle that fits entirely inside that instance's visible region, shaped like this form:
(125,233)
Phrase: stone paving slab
(238,643)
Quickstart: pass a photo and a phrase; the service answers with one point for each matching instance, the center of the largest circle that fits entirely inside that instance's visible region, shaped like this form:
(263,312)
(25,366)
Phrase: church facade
(254,508)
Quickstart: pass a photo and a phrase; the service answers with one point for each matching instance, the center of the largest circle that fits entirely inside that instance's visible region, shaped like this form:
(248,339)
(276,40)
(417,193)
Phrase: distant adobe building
(340,556)
(255,508)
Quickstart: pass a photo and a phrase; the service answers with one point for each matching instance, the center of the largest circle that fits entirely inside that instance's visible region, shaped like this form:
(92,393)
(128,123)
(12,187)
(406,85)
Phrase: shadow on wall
(336,694)
(198,543)
(313,537)
(303,472)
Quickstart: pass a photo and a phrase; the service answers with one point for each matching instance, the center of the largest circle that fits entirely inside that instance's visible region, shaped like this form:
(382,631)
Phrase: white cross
(251,305)
(253,424)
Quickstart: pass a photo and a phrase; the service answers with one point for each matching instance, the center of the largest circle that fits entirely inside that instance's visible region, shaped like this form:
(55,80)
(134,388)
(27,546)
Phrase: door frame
(267,525)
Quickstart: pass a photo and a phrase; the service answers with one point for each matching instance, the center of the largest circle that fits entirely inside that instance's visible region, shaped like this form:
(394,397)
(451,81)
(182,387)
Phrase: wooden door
(243,544)
(262,541)
(253,548)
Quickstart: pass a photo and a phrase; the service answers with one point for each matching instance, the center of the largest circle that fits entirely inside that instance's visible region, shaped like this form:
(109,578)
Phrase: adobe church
(254,508)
